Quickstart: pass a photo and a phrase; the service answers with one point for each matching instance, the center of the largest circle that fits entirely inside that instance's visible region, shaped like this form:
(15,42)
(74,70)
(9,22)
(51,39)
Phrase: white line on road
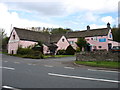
(103,70)
(17,62)
(29,64)
(31,60)
(86,78)
(48,66)
(33,64)
(8,87)
(69,67)
(5,61)
(8,68)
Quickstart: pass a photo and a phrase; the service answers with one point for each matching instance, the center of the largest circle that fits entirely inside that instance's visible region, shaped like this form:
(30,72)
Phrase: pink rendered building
(97,39)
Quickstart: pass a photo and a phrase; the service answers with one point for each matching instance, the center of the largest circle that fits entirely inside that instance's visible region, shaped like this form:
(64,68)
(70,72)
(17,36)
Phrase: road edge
(97,68)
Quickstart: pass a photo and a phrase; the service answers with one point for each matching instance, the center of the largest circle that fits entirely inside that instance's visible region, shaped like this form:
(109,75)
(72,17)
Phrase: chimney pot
(108,25)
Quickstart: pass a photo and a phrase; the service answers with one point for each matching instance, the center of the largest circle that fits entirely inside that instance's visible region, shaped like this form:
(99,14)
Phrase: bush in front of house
(78,49)
(29,53)
(70,50)
(61,52)
(24,51)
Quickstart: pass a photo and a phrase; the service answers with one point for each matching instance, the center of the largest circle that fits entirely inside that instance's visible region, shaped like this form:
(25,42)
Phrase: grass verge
(47,56)
(105,64)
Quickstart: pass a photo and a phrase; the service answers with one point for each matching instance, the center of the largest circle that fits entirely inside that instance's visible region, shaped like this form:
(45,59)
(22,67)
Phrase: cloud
(65,7)
(42,8)
(88,11)
(108,19)
(94,26)
(7,18)
(90,17)
(94,5)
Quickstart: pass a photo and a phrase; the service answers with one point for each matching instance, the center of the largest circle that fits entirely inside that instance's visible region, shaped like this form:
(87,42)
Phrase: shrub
(38,47)
(70,50)
(78,49)
(61,52)
(29,53)
(81,42)
(24,51)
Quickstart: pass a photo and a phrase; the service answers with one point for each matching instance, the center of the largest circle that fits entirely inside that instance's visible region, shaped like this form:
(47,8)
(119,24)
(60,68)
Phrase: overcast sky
(74,14)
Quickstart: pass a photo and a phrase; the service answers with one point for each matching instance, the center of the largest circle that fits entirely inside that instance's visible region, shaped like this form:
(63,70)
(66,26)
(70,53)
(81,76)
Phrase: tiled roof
(88,33)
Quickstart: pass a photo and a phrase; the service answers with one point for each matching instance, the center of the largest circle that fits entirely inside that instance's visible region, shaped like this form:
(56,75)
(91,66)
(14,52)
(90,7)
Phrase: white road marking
(8,87)
(29,64)
(86,78)
(5,61)
(17,62)
(48,66)
(31,60)
(8,68)
(103,70)
(69,67)
(33,64)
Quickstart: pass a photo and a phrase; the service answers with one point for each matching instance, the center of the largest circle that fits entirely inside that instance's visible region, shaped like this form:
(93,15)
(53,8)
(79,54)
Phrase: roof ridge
(89,30)
(29,30)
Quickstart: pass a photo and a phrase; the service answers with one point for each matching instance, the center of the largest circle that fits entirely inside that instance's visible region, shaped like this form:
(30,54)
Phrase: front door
(12,51)
(109,46)
(88,47)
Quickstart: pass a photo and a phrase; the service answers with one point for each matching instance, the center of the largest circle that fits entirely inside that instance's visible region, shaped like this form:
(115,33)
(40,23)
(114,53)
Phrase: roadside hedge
(29,53)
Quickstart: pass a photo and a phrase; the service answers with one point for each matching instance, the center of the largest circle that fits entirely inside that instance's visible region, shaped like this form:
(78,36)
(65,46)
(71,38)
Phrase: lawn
(106,64)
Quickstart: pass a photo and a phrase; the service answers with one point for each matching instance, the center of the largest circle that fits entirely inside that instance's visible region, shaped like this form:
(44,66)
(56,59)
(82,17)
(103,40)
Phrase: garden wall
(98,56)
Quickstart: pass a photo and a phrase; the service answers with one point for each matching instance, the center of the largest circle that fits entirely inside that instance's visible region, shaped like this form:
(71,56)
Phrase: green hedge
(70,50)
(29,53)
(61,52)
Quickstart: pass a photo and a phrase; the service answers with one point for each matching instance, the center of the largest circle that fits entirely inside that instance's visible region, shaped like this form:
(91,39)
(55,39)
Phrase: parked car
(115,49)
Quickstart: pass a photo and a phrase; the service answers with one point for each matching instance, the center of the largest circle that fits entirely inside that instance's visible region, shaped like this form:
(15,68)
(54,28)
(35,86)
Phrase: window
(91,38)
(87,39)
(102,40)
(13,36)
(63,40)
(99,46)
(110,36)
(95,38)
(71,42)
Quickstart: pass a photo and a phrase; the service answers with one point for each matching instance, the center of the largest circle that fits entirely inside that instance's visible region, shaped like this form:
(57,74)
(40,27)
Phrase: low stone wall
(97,56)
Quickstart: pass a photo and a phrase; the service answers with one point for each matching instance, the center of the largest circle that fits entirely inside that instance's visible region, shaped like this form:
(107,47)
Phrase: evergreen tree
(116,34)
(70,50)
(81,43)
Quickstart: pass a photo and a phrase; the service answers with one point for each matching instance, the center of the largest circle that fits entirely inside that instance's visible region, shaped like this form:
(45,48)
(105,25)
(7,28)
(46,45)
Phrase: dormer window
(13,36)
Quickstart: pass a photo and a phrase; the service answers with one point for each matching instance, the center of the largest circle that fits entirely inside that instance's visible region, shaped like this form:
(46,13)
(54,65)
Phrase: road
(22,73)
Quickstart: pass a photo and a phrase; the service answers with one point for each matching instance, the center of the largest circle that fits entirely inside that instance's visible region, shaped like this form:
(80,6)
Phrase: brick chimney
(88,27)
